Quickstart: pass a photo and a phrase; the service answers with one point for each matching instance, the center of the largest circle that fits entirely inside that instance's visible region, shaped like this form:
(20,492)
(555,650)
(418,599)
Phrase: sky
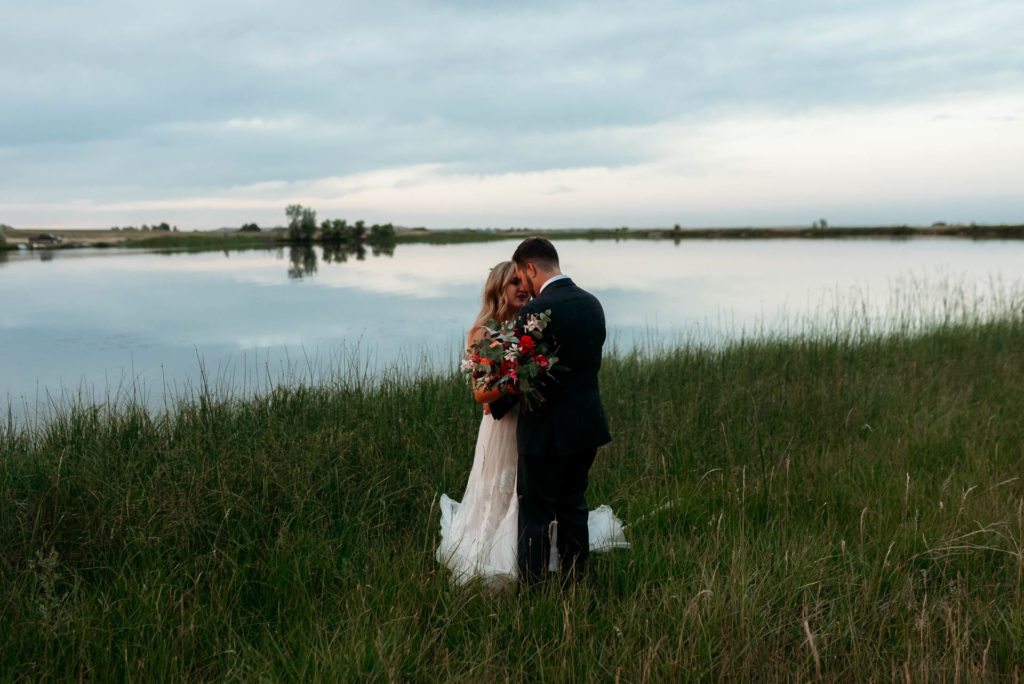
(527,114)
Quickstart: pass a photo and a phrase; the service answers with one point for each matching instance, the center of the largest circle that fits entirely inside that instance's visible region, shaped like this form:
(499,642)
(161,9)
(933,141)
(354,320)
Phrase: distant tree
(294,214)
(145,227)
(163,226)
(336,231)
(677,227)
(823,223)
(249,228)
(382,235)
(328,232)
(301,222)
(359,231)
(3,238)
(308,224)
(344,231)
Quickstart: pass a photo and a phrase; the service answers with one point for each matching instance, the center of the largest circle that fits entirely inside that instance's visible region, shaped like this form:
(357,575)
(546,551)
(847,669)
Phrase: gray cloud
(115,100)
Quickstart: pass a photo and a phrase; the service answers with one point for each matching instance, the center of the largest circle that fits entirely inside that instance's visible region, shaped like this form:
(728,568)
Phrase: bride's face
(522,273)
(515,293)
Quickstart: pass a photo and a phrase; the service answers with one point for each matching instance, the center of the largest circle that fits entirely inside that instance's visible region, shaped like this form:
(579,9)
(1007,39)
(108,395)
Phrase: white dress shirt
(550,280)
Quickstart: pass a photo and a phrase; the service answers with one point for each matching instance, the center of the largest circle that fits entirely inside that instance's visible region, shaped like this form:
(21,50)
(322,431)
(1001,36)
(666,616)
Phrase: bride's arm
(483,396)
(487,396)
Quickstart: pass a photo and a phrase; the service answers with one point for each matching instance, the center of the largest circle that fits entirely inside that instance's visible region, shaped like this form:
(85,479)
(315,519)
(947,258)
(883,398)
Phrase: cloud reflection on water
(94,315)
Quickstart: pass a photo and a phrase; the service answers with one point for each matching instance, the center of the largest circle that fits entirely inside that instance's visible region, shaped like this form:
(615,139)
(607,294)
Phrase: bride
(478,535)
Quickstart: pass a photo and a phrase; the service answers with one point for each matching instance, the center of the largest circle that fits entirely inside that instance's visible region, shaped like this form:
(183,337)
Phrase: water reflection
(98,316)
(303,261)
(339,252)
(303,258)
(387,250)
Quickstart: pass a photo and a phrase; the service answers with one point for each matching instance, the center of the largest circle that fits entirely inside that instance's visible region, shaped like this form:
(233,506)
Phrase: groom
(559,438)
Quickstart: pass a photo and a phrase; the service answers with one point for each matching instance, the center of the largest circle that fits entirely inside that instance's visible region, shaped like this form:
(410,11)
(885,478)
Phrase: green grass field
(836,506)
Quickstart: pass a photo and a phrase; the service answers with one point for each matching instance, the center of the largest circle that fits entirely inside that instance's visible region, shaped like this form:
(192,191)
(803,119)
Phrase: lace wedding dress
(478,535)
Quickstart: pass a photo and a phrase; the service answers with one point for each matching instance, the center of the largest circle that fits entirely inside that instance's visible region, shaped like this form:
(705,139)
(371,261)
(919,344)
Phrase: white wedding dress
(478,535)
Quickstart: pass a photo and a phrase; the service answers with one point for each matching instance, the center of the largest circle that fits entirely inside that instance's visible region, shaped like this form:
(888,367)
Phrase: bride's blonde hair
(496,305)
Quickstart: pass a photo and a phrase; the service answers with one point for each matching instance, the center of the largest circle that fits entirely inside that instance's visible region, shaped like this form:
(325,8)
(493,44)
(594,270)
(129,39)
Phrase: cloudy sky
(542,114)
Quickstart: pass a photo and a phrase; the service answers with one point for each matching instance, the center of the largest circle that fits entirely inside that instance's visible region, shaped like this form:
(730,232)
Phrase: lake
(103,323)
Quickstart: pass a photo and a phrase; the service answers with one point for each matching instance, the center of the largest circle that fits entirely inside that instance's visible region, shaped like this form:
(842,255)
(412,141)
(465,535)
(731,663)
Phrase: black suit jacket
(571,419)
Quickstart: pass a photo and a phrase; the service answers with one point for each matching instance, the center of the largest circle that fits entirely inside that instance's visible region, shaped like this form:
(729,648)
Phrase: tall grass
(839,505)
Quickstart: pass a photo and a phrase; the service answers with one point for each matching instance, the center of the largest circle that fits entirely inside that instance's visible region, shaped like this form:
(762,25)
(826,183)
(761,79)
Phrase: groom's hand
(499,407)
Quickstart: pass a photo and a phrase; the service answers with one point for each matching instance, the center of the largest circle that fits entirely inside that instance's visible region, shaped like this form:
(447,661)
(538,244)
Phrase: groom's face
(523,272)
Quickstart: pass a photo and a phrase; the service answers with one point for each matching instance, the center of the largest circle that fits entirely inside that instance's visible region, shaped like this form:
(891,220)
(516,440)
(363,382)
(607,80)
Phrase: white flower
(468,365)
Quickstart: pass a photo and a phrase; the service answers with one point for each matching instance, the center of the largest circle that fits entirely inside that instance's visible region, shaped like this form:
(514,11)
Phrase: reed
(843,504)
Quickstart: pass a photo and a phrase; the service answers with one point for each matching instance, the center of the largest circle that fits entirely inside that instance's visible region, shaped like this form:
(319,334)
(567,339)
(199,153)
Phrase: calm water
(99,322)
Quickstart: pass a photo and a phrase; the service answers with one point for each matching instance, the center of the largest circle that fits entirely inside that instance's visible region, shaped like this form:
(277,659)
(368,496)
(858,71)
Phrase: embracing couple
(524,514)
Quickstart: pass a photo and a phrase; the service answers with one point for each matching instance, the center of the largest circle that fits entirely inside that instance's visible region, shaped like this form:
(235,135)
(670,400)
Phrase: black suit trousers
(552,487)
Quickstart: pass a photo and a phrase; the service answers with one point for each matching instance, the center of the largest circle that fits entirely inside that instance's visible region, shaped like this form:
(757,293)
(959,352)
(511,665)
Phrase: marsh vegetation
(844,504)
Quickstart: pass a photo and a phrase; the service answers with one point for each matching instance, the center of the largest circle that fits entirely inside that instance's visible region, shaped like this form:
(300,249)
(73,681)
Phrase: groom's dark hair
(538,251)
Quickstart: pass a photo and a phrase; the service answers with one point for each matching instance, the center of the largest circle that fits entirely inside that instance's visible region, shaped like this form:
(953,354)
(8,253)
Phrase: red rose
(542,361)
(526,343)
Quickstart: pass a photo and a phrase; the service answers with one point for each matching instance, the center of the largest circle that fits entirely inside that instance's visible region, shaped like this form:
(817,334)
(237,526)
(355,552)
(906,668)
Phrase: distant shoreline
(224,239)
(974,231)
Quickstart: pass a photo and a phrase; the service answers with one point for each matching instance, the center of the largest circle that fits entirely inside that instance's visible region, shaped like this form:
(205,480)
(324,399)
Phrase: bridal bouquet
(503,359)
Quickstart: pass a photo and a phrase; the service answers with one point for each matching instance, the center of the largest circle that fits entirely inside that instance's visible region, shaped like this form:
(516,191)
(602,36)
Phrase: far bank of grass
(217,240)
(832,506)
(973,231)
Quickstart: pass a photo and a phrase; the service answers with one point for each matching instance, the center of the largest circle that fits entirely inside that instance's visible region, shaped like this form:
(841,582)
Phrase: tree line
(163,225)
(302,227)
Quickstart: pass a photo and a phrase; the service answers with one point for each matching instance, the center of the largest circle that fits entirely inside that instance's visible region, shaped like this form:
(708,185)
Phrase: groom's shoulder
(579,293)
(567,293)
